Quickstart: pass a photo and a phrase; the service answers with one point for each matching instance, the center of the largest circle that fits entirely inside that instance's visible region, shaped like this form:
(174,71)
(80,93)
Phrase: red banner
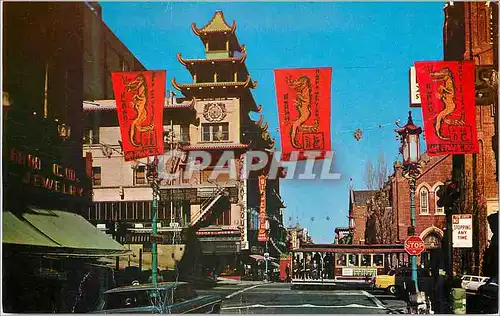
(304,110)
(262,235)
(448,106)
(140,97)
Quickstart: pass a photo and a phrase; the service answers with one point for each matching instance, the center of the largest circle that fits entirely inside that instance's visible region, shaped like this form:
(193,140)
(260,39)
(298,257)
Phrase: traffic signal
(447,194)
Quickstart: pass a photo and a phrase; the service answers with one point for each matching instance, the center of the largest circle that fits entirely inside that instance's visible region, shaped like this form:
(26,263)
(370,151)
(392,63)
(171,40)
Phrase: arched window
(424,201)
(439,210)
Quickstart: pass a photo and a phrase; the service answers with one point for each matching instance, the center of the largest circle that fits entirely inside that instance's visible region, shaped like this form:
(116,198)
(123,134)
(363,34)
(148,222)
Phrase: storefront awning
(53,232)
(17,231)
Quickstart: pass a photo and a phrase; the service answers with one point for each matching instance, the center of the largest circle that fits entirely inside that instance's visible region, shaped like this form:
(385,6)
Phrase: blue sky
(370,47)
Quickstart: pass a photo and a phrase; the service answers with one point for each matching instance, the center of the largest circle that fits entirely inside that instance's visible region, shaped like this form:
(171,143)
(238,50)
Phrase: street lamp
(410,148)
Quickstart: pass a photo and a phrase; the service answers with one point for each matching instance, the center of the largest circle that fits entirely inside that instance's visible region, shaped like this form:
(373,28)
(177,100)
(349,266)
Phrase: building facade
(383,216)
(430,220)
(48,247)
(471,33)
(209,217)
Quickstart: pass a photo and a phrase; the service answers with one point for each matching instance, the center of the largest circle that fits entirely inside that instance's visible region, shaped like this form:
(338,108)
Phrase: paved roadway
(279,298)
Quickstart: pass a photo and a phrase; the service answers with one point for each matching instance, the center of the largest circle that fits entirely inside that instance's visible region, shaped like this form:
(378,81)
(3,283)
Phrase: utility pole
(412,214)
(152,175)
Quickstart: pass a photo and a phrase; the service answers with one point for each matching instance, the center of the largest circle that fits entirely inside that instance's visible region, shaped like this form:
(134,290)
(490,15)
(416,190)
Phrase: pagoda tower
(221,86)
(222,74)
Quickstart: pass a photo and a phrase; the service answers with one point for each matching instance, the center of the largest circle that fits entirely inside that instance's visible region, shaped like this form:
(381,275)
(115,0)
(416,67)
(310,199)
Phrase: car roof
(145,287)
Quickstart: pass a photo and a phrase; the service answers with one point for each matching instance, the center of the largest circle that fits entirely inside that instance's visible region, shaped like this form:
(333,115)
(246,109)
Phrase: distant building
(394,198)
(358,213)
(298,236)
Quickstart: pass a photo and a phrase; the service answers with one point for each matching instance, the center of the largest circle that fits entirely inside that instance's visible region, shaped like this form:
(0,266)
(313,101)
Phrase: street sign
(462,230)
(414,245)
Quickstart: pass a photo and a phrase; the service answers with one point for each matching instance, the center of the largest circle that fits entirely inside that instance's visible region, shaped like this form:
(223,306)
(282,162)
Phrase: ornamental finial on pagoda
(216,25)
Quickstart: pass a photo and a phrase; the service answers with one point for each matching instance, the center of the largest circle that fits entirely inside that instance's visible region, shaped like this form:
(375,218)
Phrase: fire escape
(214,196)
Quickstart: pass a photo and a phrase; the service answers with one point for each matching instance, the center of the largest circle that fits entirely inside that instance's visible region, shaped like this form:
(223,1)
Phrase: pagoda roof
(191,62)
(215,146)
(261,128)
(110,105)
(216,25)
(187,86)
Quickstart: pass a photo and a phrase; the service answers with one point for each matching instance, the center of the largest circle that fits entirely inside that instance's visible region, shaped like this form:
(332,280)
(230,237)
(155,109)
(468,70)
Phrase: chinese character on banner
(262,235)
(140,97)
(304,110)
(448,106)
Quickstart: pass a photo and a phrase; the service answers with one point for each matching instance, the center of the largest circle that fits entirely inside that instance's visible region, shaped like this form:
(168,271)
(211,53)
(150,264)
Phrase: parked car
(386,282)
(489,296)
(403,279)
(472,282)
(164,298)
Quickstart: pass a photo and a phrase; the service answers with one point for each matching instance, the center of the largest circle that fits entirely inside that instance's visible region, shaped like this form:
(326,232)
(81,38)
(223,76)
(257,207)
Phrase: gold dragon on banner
(139,102)
(446,92)
(302,103)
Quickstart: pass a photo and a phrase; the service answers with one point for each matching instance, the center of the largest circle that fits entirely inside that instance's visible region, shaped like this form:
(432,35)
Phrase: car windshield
(392,272)
(134,299)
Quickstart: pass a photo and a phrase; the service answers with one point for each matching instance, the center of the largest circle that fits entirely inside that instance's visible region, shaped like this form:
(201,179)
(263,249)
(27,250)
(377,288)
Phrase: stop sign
(414,245)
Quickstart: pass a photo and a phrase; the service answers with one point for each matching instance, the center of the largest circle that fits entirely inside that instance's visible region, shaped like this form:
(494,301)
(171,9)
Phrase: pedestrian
(287,272)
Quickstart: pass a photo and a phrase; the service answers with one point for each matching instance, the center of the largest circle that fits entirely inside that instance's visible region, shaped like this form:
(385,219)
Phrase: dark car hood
(133,310)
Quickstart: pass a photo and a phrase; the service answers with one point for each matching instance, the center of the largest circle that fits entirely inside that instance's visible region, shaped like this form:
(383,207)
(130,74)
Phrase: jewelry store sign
(42,172)
(462,230)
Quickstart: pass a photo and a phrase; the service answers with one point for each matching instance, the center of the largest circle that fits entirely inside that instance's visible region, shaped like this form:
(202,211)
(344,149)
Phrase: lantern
(410,142)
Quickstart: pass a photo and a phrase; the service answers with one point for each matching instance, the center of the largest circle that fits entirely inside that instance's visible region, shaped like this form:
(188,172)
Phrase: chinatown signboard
(304,105)
(243,190)
(140,98)
(179,194)
(462,230)
(448,106)
(415,100)
(262,235)
(45,173)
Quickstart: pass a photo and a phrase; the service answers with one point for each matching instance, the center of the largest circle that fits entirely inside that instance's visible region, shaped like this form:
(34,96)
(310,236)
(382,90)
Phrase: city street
(271,298)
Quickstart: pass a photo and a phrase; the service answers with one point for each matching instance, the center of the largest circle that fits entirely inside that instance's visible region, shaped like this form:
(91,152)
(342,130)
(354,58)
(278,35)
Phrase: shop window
(96,175)
(140,210)
(184,134)
(215,132)
(91,136)
(424,201)
(147,247)
(140,175)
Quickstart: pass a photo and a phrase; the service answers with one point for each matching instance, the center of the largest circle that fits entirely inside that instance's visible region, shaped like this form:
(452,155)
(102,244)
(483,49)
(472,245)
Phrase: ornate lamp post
(410,148)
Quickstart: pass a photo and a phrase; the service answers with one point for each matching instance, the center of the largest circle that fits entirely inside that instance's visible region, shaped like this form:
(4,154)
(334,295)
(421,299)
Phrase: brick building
(471,33)
(430,219)
(358,213)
